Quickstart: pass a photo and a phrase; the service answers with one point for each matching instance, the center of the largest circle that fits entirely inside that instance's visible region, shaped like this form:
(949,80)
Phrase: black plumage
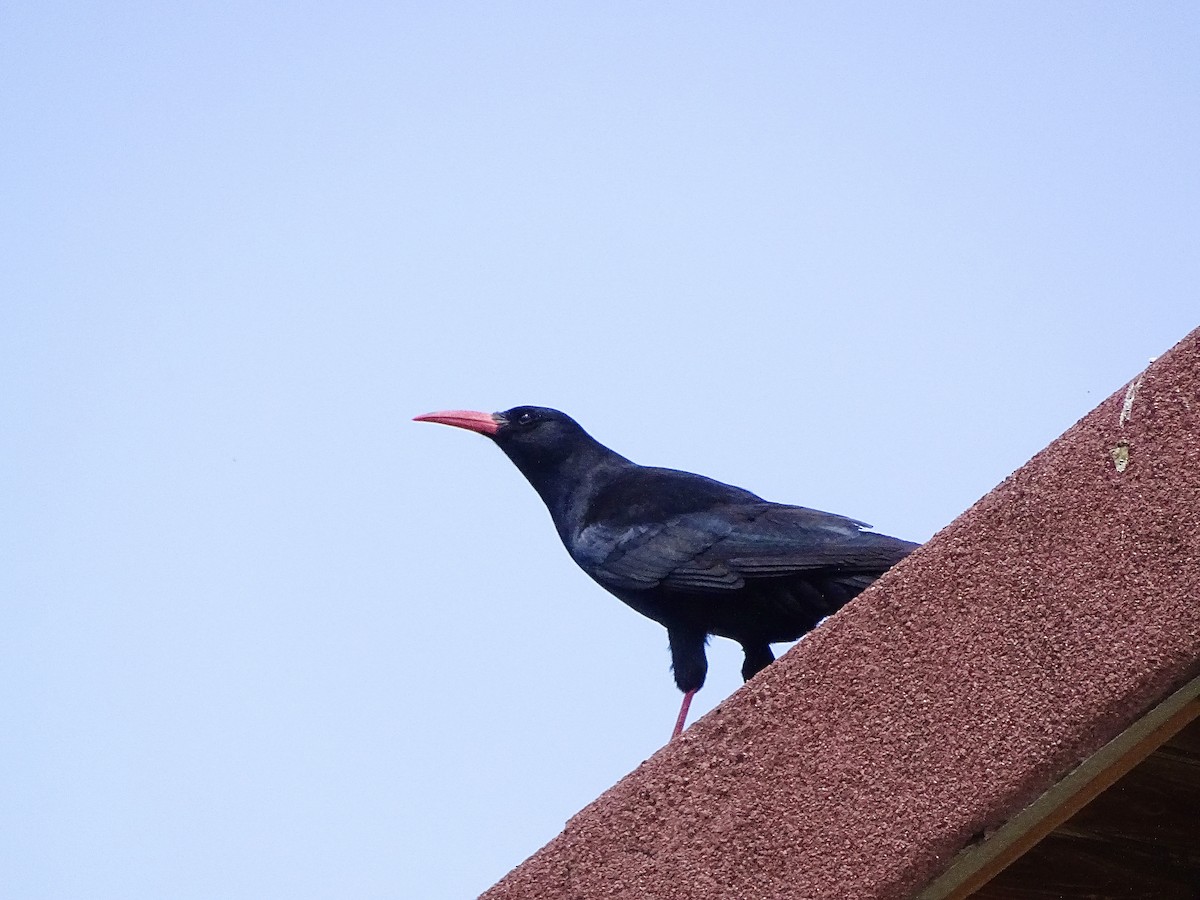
(696,555)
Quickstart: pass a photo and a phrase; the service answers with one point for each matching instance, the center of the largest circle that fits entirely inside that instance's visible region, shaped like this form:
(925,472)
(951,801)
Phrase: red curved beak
(479,422)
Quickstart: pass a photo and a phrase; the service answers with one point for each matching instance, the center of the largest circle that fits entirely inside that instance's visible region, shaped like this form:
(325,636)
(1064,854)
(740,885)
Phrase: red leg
(683,711)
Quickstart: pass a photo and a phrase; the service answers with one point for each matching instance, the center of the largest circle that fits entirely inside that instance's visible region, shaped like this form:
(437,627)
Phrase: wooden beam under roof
(1042,841)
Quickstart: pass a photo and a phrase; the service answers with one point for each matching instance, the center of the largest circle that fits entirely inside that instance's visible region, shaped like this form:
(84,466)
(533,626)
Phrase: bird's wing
(719,548)
(645,555)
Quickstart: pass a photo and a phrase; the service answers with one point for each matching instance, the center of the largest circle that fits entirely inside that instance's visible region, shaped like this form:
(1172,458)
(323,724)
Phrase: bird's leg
(683,711)
(758,657)
(689,664)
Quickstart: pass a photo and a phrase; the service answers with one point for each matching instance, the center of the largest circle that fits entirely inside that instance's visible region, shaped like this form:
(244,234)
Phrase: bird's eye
(525,418)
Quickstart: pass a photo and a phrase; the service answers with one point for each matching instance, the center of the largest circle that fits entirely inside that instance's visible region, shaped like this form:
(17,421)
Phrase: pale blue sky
(263,637)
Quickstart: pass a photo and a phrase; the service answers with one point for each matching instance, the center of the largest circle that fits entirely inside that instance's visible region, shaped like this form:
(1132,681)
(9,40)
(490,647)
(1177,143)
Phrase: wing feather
(718,549)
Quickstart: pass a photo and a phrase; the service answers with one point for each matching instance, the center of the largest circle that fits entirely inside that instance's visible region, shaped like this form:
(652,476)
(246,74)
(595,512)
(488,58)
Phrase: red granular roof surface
(1022,637)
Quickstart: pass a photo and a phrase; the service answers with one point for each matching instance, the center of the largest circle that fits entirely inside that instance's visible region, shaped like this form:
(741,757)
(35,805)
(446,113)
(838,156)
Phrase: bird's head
(535,438)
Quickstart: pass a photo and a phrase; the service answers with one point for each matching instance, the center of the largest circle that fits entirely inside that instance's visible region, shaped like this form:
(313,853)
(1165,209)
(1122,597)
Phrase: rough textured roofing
(1022,637)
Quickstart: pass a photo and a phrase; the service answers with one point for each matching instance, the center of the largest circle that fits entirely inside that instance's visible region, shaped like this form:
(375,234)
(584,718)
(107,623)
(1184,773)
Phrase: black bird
(695,555)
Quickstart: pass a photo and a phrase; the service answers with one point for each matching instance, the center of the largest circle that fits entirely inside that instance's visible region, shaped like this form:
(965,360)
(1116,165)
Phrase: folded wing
(719,549)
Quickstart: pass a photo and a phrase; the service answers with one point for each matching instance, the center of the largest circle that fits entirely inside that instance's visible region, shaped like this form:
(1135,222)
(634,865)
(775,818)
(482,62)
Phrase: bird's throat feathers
(564,480)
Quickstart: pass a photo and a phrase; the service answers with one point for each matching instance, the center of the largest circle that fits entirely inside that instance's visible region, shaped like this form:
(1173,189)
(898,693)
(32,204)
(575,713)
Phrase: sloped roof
(968,681)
